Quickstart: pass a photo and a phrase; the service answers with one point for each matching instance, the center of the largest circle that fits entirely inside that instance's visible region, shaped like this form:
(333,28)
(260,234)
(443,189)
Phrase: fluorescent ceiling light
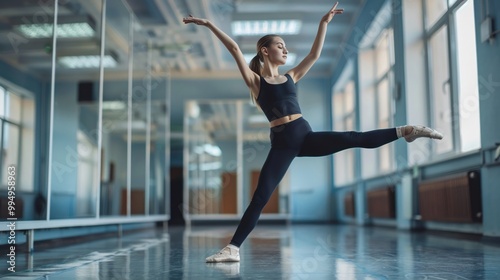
(64,30)
(87,61)
(290,60)
(261,27)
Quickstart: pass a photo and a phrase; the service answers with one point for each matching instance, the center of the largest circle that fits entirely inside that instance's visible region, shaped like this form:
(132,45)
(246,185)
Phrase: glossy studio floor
(272,252)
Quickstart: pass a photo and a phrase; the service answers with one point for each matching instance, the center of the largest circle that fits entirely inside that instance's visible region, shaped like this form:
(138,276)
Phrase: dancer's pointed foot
(412,132)
(227,254)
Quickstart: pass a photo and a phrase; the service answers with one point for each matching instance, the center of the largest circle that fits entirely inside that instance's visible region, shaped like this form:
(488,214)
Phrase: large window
(376,64)
(16,138)
(439,80)
(383,83)
(468,89)
(452,74)
(344,120)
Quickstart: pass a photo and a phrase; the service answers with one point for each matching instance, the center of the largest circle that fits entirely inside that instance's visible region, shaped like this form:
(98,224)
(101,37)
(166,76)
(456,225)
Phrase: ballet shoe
(225,255)
(422,131)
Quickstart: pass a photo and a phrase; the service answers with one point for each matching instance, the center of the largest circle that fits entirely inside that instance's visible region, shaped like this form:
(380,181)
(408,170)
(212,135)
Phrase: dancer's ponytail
(255,64)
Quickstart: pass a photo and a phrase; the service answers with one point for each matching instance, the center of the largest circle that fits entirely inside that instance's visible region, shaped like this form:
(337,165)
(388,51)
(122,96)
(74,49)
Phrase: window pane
(340,169)
(138,161)
(390,45)
(368,158)
(385,158)
(338,106)
(376,111)
(339,125)
(113,181)
(2,102)
(1,124)
(344,167)
(86,176)
(25,73)
(384,121)
(26,181)
(349,122)
(434,9)
(73,115)
(349,97)
(440,89)
(14,107)
(383,59)
(383,101)
(344,103)
(470,135)
(10,150)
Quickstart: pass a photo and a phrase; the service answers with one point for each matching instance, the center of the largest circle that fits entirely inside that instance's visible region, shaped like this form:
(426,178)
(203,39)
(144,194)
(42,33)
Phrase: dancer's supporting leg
(273,170)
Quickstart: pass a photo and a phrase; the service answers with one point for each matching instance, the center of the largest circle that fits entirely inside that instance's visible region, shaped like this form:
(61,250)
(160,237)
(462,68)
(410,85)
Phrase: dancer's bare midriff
(284,120)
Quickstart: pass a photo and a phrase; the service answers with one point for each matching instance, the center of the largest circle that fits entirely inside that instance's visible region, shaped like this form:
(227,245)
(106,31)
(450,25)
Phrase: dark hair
(255,64)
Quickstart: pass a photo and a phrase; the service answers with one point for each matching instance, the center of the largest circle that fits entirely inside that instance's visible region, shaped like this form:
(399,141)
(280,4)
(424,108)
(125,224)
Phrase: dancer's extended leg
(330,142)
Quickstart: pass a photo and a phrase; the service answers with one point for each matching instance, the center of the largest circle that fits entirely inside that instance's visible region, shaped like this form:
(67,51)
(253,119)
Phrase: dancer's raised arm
(303,67)
(250,77)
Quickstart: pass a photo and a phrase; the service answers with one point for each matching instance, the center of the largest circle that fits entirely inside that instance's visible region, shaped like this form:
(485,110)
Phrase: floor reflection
(271,252)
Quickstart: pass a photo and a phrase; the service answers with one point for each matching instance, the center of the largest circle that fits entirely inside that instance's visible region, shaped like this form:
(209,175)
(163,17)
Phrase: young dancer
(291,135)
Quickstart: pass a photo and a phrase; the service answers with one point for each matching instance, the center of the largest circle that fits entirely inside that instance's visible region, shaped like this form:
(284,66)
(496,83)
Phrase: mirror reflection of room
(84,125)
(227,143)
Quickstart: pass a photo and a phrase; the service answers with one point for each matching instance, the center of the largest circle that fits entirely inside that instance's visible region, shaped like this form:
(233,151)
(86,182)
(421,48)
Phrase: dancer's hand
(197,21)
(333,11)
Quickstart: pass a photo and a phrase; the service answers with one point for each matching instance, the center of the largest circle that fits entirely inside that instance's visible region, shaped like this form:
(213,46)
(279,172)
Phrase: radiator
(451,199)
(382,202)
(349,204)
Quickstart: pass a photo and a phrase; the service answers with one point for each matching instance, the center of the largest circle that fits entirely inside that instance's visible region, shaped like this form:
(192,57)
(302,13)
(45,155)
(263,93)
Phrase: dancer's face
(277,51)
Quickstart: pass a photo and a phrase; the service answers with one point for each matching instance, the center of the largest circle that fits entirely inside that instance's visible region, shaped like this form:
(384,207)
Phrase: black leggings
(296,139)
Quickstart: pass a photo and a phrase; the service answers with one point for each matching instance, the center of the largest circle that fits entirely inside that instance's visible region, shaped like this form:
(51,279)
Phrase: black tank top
(278,100)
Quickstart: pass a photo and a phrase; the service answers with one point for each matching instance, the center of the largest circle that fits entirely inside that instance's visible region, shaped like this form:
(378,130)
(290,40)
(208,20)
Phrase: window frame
(448,20)
(10,89)
(347,77)
(388,76)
